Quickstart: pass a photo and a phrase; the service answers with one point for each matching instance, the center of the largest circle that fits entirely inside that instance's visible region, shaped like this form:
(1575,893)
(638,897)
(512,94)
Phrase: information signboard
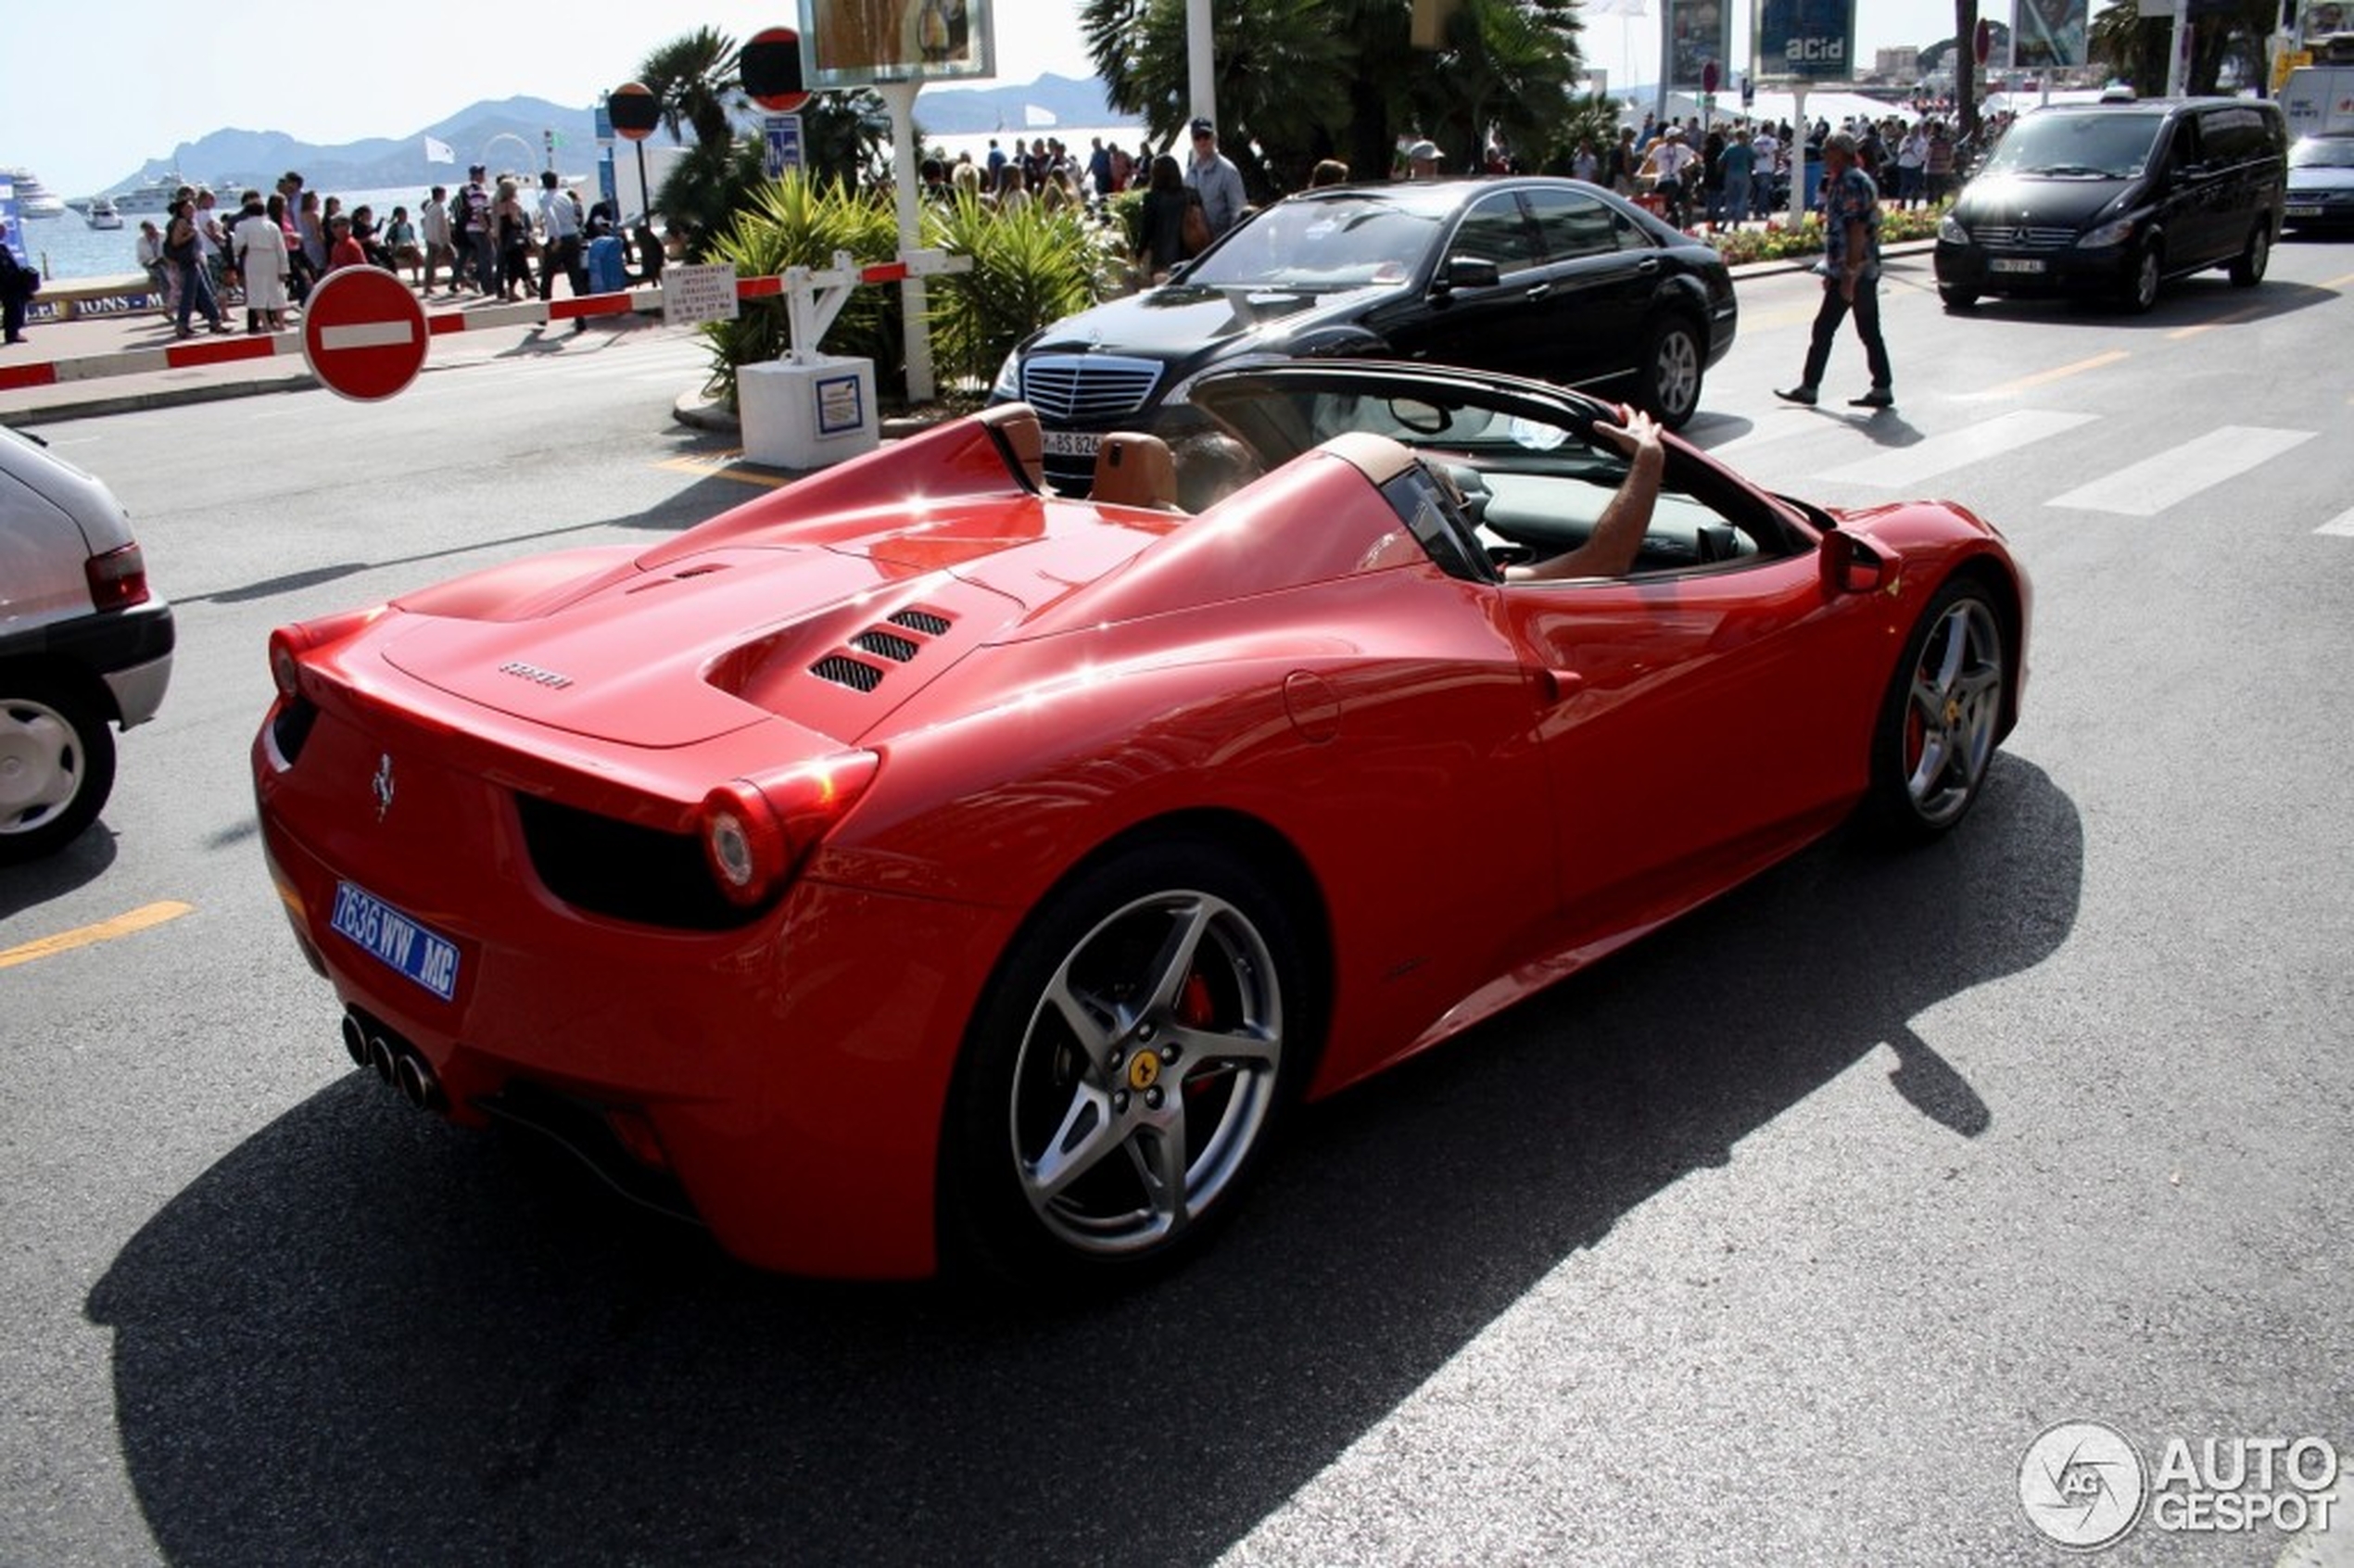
(1803,41)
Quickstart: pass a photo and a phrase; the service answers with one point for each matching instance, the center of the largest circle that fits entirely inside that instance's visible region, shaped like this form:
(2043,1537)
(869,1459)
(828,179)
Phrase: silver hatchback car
(85,645)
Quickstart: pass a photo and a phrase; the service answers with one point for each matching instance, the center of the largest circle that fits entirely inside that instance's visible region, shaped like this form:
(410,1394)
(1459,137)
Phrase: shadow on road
(365,1336)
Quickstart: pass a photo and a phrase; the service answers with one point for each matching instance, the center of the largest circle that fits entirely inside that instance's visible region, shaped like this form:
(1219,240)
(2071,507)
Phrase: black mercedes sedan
(1552,279)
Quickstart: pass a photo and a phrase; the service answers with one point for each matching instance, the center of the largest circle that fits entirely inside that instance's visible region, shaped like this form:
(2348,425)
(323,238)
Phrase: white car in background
(85,646)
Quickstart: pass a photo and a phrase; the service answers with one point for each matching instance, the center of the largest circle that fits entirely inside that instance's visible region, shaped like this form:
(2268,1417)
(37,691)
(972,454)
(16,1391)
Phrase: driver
(1610,551)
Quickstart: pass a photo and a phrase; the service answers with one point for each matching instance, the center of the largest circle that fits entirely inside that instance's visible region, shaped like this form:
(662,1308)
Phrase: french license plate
(1071,443)
(2302,211)
(2014,264)
(406,946)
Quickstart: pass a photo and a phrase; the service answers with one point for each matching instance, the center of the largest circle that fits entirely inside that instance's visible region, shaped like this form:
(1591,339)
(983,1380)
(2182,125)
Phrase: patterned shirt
(1850,198)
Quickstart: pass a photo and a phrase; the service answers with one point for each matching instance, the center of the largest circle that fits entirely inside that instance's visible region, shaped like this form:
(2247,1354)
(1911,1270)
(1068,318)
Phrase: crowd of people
(274,249)
(1732,171)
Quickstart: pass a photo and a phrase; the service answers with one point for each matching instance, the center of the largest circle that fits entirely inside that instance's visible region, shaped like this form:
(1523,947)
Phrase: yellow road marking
(138,919)
(2058,373)
(2248,314)
(2337,283)
(722,465)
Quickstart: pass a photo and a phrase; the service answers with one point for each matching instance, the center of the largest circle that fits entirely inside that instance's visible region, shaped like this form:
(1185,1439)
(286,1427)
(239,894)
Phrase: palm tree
(1507,66)
(1300,80)
(694,80)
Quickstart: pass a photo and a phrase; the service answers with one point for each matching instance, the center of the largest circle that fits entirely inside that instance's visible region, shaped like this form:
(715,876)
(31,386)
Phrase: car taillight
(288,644)
(755,832)
(118,580)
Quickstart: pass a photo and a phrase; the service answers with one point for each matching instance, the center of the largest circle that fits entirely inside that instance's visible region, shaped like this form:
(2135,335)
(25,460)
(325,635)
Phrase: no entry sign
(363,333)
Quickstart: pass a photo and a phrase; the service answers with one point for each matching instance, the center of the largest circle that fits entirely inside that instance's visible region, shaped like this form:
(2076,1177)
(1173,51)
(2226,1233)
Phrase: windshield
(2112,146)
(1337,241)
(2322,152)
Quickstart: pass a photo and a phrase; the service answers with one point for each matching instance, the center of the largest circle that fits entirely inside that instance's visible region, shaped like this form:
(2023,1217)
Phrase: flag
(439,152)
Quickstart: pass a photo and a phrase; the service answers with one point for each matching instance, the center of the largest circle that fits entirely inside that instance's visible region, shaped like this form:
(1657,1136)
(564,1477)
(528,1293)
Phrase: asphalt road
(1776,1240)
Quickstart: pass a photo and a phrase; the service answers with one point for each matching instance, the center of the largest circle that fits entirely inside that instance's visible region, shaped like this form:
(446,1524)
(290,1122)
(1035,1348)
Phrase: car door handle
(1558,685)
(1539,291)
(1648,264)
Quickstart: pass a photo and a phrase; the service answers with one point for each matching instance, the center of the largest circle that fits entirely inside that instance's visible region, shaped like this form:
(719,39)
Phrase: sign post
(363,333)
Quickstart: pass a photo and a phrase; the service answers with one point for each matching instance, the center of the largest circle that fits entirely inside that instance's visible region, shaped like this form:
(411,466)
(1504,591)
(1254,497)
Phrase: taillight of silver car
(118,578)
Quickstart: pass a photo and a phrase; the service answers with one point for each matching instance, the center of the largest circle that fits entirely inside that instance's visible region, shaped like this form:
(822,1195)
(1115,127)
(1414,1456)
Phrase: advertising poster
(1802,40)
(2047,34)
(859,42)
(2316,22)
(1698,32)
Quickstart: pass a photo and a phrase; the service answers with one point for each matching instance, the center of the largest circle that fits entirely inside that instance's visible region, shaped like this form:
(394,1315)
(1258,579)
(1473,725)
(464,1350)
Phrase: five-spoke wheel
(1128,1065)
(1942,715)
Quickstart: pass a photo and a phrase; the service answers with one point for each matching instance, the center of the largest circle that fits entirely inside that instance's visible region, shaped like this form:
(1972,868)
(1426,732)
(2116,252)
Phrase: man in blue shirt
(1850,276)
(1213,175)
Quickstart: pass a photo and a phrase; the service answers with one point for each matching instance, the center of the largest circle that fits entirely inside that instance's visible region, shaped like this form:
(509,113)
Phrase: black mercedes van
(2113,198)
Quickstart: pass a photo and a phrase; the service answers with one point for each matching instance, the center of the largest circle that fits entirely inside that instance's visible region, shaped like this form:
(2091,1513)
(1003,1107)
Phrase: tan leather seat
(1024,444)
(1134,470)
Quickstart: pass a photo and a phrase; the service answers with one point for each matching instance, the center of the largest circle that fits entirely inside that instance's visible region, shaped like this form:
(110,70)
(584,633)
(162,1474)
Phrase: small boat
(101,214)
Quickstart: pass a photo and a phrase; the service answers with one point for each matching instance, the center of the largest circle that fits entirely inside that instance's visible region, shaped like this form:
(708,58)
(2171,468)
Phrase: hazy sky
(91,97)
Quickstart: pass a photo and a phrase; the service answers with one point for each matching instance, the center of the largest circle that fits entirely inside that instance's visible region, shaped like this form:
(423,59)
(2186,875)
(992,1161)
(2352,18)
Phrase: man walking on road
(1851,276)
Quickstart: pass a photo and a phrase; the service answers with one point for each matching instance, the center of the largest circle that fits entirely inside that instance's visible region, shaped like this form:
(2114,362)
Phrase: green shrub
(792,222)
(1030,266)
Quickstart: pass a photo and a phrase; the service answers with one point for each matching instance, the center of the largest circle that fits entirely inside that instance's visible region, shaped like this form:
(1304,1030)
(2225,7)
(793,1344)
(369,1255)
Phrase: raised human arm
(1610,551)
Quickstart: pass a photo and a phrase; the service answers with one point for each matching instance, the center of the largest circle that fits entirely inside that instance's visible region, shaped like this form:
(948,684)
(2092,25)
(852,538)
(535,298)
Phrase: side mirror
(1849,565)
(1467,271)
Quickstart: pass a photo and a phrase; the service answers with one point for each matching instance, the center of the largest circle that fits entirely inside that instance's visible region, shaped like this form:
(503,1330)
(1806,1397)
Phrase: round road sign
(363,333)
(771,69)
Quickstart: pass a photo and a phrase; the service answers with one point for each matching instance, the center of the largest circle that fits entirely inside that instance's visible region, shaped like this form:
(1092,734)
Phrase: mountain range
(513,133)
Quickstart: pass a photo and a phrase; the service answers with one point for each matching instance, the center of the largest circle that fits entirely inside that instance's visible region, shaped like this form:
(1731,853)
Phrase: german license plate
(2014,264)
(1071,443)
(2302,211)
(406,946)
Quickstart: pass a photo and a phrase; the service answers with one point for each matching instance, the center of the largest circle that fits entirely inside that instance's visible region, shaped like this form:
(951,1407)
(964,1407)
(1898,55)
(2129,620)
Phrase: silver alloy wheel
(1675,374)
(43,764)
(1952,710)
(1147,1071)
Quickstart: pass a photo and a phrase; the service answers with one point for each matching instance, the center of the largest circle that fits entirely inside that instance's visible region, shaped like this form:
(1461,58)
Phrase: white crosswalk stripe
(2148,487)
(1903,467)
(2342,525)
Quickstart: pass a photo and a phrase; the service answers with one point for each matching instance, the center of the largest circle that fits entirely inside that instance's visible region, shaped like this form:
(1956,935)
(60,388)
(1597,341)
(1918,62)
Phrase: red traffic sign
(1982,41)
(363,333)
(770,67)
(1708,77)
(634,110)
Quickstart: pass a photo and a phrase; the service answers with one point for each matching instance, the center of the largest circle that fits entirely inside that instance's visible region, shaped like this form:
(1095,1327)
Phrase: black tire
(2143,279)
(57,765)
(1942,716)
(1669,379)
(2247,266)
(1152,1020)
(1957,297)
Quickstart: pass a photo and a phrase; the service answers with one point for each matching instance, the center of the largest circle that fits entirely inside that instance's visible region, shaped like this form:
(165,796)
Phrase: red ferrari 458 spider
(913,867)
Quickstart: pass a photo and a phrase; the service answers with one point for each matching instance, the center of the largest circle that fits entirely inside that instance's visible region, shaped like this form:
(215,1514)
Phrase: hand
(1638,433)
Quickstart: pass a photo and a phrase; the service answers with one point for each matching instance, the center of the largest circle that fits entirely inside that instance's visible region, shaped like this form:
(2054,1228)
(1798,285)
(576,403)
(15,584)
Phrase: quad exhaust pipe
(395,1062)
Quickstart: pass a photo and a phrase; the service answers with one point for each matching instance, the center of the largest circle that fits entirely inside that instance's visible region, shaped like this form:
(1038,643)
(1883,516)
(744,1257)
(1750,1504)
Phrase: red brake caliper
(1195,1010)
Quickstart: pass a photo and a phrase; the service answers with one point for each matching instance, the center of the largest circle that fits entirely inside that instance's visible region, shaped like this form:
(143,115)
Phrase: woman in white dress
(258,246)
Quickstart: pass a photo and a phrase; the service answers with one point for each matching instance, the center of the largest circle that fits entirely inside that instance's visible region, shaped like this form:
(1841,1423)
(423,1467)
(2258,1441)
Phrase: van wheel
(1957,297)
(2247,266)
(2141,283)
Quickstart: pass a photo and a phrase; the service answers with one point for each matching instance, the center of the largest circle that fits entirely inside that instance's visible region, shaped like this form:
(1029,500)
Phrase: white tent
(1777,106)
